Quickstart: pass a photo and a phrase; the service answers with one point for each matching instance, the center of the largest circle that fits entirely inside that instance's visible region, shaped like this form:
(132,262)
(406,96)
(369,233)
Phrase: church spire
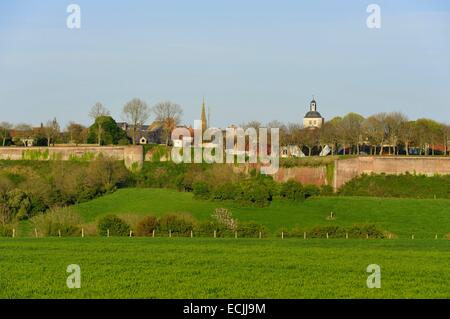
(204,122)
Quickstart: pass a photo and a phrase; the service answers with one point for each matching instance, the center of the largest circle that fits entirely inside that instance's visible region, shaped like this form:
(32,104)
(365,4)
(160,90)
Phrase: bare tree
(169,115)
(352,129)
(407,134)
(76,133)
(51,131)
(446,137)
(24,132)
(254,124)
(5,127)
(98,110)
(136,112)
(375,129)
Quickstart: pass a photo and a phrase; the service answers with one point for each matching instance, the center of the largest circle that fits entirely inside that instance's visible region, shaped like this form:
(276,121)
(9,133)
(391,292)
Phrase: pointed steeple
(204,122)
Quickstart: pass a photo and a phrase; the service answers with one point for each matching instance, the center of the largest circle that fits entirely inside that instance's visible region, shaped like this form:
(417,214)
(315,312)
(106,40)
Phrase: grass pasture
(239,268)
(404,217)
(223,268)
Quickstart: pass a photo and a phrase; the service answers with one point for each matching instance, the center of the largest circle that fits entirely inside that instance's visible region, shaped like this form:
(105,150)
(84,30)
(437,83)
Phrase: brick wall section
(304,175)
(345,170)
(133,156)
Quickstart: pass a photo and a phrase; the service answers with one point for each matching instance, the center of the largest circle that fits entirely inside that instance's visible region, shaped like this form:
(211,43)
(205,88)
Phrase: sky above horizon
(251,60)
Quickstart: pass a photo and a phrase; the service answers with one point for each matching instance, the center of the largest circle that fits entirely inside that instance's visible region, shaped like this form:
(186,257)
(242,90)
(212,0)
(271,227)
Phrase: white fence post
(107,232)
(14,233)
(82,232)
(36,233)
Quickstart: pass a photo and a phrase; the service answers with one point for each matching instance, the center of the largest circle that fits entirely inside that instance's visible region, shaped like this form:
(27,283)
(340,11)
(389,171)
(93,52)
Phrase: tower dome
(313,119)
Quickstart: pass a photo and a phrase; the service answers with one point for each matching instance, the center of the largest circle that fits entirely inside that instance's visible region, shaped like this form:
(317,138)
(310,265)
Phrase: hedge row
(354,231)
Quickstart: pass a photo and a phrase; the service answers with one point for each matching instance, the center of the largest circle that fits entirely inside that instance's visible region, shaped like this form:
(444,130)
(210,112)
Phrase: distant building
(313,119)
(147,134)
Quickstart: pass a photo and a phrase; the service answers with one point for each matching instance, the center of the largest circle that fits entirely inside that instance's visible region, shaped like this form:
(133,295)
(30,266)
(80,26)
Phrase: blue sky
(252,60)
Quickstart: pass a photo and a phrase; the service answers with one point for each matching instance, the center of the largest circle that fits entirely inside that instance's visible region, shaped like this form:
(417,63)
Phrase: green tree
(111,133)
(5,127)
(97,111)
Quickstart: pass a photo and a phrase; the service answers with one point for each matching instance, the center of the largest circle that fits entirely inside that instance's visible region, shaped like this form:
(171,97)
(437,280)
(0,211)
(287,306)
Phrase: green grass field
(223,268)
(404,217)
(239,268)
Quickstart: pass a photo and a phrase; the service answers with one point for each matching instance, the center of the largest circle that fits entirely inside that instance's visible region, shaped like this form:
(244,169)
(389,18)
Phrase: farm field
(223,268)
(423,218)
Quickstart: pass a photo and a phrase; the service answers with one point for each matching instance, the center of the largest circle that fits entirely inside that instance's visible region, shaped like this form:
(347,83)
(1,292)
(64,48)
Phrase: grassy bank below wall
(402,186)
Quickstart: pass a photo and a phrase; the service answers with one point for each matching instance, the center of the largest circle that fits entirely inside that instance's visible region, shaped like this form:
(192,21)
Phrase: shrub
(57,220)
(255,192)
(362,230)
(355,231)
(19,203)
(311,190)
(322,231)
(227,191)
(292,190)
(6,231)
(116,226)
(146,226)
(177,224)
(224,217)
(326,190)
(251,230)
(201,190)
(207,228)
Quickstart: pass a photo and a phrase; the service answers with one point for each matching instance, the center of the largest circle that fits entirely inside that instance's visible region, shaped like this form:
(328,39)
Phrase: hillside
(422,217)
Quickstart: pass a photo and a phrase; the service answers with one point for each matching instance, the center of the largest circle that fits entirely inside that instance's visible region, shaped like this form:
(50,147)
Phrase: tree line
(378,134)
(103,131)
(382,133)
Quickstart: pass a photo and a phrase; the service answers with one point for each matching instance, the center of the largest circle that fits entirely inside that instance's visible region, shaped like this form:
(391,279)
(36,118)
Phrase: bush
(116,226)
(201,190)
(177,224)
(256,191)
(292,190)
(362,230)
(55,221)
(355,231)
(326,190)
(224,217)
(6,231)
(251,230)
(227,191)
(311,190)
(207,228)
(146,226)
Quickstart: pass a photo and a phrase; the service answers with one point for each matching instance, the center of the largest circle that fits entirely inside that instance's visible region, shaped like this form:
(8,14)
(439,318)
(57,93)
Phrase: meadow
(223,268)
(423,218)
(180,267)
